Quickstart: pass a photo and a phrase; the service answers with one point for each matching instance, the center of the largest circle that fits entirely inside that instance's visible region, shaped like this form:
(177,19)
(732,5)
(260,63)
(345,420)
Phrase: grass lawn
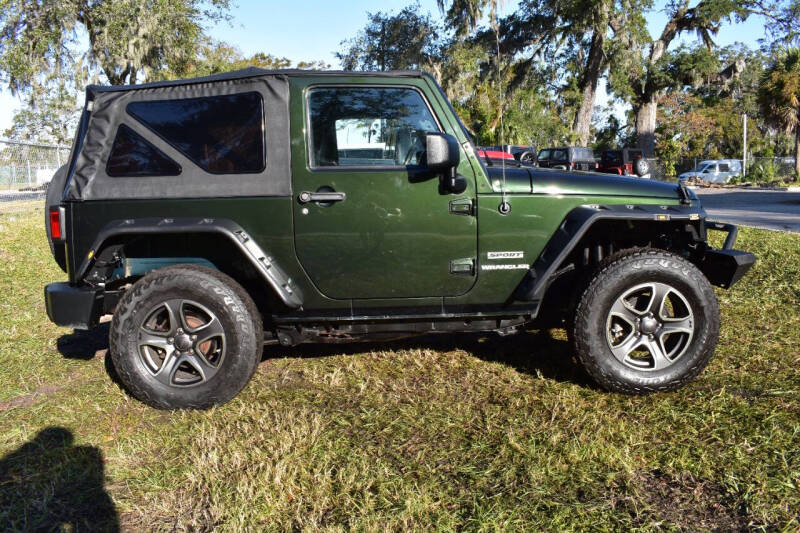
(442,432)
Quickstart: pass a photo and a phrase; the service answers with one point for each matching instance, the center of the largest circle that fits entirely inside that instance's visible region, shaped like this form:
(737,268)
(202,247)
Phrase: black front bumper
(73,307)
(725,267)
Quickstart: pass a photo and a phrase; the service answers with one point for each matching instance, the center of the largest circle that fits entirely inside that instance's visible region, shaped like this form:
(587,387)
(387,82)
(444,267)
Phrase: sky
(314,29)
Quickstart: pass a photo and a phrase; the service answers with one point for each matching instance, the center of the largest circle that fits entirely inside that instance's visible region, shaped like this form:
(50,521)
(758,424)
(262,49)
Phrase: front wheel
(648,321)
(185,337)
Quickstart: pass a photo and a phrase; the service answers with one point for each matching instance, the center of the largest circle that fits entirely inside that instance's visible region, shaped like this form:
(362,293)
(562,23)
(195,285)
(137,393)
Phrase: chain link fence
(26,168)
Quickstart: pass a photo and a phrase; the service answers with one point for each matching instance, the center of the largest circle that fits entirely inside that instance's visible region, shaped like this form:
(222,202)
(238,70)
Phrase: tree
(644,76)
(50,115)
(128,40)
(779,96)
(575,40)
(406,40)
(215,57)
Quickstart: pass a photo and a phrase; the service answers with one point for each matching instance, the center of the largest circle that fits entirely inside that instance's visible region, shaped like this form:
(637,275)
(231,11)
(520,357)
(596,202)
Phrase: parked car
(523,154)
(495,156)
(567,158)
(714,171)
(215,215)
(624,162)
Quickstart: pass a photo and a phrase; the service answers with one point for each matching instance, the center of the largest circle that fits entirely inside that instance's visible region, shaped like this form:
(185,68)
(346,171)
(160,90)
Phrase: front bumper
(73,307)
(725,267)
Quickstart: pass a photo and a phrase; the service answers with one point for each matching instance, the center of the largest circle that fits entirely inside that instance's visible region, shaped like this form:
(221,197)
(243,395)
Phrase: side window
(724,167)
(559,155)
(544,155)
(132,156)
(368,126)
(221,134)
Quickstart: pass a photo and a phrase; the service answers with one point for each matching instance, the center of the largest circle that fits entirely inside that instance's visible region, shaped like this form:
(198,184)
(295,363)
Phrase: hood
(598,184)
(527,180)
(517,179)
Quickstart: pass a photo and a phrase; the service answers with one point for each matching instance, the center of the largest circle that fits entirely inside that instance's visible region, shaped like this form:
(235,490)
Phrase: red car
(495,155)
(622,162)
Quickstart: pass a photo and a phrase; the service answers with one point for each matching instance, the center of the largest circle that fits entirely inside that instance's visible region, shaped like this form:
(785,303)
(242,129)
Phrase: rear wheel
(185,336)
(647,321)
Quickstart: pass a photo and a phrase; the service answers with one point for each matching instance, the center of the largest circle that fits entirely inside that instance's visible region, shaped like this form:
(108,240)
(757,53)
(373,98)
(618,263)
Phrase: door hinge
(463,266)
(462,206)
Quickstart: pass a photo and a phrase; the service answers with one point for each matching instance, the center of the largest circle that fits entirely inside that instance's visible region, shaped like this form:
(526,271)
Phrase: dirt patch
(41,392)
(685,502)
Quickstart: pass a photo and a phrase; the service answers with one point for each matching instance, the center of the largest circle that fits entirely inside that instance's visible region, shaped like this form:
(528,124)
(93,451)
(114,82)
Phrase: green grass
(455,432)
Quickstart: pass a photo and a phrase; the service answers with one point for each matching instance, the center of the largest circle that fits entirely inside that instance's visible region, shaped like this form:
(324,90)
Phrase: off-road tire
(641,167)
(621,272)
(527,157)
(221,295)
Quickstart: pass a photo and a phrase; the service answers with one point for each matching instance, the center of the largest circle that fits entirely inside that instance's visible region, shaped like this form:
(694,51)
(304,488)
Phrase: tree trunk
(646,127)
(595,64)
(797,152)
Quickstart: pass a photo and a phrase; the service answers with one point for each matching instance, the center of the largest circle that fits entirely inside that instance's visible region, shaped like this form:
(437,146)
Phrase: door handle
(306,197)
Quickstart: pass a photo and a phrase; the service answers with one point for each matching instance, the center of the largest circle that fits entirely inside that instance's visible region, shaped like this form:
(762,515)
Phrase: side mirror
(442,156)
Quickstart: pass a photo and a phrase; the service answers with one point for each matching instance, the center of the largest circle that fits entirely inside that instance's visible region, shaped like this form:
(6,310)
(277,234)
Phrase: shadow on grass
(48,484)
(536,352)
(84,345)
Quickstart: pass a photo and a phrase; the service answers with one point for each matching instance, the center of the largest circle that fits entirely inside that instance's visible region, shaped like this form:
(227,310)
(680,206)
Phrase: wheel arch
(591,232)
(220,243)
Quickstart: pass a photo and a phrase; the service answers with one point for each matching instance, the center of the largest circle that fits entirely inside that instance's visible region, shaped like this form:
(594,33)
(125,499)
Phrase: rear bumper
(73,307)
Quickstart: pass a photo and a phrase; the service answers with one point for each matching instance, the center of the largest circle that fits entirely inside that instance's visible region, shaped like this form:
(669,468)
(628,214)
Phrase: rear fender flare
(272,273)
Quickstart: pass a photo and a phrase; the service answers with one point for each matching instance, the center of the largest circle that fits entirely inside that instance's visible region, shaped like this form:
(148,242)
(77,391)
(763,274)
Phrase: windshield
(709,169)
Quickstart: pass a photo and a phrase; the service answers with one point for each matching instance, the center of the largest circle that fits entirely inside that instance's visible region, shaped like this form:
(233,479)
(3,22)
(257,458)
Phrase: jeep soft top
(211,216)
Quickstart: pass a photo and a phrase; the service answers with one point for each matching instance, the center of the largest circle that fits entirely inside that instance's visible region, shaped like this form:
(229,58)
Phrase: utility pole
(744,159)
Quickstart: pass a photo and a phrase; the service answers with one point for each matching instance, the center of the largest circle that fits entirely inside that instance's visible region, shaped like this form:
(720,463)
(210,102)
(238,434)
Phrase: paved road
(776,210)
(9,196)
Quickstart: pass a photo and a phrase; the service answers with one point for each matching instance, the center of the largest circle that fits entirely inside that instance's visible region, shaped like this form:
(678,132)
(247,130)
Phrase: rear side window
(132,156)
(559,155)
(221,134)
(724,167)
(544,155)
(368,126)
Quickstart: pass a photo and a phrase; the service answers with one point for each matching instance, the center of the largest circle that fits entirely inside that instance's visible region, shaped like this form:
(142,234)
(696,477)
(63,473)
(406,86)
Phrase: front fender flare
(272,273)
(577,223)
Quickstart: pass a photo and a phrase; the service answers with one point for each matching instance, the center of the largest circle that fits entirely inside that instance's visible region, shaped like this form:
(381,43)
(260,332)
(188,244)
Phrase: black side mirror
(442,156)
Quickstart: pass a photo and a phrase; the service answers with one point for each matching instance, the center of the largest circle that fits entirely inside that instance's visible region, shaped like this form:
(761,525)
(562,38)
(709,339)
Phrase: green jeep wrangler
(214,215)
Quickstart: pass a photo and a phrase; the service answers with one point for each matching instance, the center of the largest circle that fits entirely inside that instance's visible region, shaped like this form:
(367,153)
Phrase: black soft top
(250,72)
(106,112)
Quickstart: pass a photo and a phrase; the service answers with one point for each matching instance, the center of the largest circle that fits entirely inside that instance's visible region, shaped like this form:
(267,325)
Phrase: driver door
(386,229)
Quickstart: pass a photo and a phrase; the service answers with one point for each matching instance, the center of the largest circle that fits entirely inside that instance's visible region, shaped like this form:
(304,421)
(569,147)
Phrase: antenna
(504,206)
